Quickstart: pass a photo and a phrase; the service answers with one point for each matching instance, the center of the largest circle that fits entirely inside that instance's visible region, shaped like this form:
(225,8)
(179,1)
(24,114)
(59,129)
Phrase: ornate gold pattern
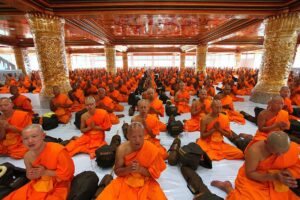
(182,61)
(279,47)
(125,60)
(201,57)
(49,41)
(110,54)
(69,62)
(20,56)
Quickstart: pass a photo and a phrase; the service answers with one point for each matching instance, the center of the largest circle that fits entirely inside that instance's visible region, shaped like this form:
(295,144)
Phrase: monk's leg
(231,152)
(17,151)
(78,145)
(225,186)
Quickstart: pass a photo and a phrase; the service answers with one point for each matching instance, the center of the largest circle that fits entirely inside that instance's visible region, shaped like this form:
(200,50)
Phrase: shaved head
(89,99)
(136,135)
(285,92)
(216,106)
(278,142)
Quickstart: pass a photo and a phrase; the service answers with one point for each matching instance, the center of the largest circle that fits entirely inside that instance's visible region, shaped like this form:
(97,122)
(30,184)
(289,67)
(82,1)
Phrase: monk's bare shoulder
(255,149)
(85,116)
(124,148)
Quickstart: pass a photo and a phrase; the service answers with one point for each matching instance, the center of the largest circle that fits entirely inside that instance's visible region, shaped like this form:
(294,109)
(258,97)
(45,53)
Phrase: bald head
(202,94)
(136,135)
(275,104)
(285,92)
(143,107)
(278,142)
(150,94)
(14,90)
(216,106)
(101,93)
(6,105)
(33,137)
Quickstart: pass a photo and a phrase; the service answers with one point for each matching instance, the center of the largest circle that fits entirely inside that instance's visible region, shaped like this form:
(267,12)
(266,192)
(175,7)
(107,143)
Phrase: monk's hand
(286,178)
(282,125)
(92,125)
(135,166)
(40,171)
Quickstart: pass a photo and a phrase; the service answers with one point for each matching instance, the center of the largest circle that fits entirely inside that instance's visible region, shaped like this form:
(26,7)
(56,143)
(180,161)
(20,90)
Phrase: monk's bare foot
(120,115)
(245,135)
(226,186)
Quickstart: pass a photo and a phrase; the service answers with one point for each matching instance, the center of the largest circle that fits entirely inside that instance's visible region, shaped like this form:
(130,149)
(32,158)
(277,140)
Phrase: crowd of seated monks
(272,165)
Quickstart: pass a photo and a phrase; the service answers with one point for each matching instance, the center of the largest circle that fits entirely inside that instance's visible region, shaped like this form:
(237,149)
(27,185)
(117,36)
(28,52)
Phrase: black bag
(173,152)
(78,117)
(83,186)
(50,122)
(103,183)
(133,99)
(115,141)
(171,110)
(207,196)
(175,128)
(192,155)
(297,189)
(131,111)
(105,156)
(164,98)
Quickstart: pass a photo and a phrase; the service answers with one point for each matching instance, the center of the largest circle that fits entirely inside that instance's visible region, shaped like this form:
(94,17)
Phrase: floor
(171,179)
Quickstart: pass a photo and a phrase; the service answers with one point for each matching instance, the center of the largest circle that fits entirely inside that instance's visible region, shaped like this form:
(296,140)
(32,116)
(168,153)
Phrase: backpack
(83,186)
(78,114)
(105,156)
(164,98)
(173,152)
(174,127)
(133,99)
(103,183)
(171,110)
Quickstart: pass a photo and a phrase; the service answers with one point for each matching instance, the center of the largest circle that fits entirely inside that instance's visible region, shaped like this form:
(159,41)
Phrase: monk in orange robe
(228,107)
(106,103)
(61,104)
(271,168)
(23,84)
(285,94)
(296,93)
(116,95)
(181,99)
(90,89)
(214,126)
(151,124)
(199,109)
(12,122)
(20,101)
(48,167)
(93,124)
(157,108)
(77,96)
(138,163)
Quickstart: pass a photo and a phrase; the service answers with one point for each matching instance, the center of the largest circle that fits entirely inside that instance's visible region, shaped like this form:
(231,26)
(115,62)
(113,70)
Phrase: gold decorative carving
(49,40)
(69,62)
(279,49)
(182,61)
(125,61)
(20,56)
(110,54)
(201,57)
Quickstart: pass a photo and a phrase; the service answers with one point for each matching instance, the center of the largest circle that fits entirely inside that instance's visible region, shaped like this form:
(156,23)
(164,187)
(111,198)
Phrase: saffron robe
(63,114)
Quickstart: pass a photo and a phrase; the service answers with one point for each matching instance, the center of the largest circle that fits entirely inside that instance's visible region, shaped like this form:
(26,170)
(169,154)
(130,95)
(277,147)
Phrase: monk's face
(136,138)
(143,108)
(101,94)
(181,86)
(33,139)
(276,105)
(216,107)
(202,94)
(90,105)
(6,105)
(227,90)
(13,90)
(150,94)
(285,93)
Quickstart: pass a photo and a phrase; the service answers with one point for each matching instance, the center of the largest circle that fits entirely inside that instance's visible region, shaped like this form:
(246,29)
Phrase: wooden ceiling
(139,26)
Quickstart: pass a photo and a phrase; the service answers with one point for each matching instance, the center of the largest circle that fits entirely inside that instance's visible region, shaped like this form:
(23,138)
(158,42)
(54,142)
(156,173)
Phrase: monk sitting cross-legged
(138,163)
(181,99)
(61,104)
(77,96)
(12,122)
(93,124)
(198,110)
(271,168)
(151,125)
(20,101)
(214,126)
(48,167)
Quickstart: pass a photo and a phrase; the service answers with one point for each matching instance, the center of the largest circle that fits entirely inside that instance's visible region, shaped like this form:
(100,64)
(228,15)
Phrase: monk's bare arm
(194,110)
(27,161)
(251,163)
(83,127)
(204,134)
(120,168)
(261,121)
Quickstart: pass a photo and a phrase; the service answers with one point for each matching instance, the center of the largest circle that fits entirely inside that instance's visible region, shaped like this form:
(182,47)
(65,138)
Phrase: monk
(156,107)
(271,168)
(214,126)
(116,95)
(199,109)
(48,167)
(20,101)
(285,94)
(93,124)
(151,125)
(77,96)
(138,163)
(182,98)
(12,122)
(228,107)
(61,104)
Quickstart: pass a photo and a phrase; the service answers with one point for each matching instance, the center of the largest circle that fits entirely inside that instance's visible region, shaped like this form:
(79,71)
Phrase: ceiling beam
(153,50)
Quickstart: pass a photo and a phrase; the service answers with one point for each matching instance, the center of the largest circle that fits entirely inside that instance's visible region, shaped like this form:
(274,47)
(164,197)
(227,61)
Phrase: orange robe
(63,114)
(288,104)
(158,105)
(247,189)
(183,107)
(136,186)
(193,124)
(110,103)
(214,145)
(93,139)
(23,103)
(120,97)
(12,144)
(78,105)
(233,115)
(5,89)
(296,96)
(46,187)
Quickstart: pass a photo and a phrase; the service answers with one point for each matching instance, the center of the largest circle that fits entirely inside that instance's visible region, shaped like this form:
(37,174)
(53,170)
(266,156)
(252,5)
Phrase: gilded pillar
(279,46)
(49,41)
(182,61)
(201,57)
(110,54)
(21,56)
(125,61)
(237,59)
(68,61)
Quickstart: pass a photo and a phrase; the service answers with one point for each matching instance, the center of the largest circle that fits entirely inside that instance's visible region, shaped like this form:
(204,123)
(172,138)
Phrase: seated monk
(77,96)
(23,83)
(93,124)
(199,109)
(157,108)
(182,98)
(285,94)
(90,89)
(228,107)
(271,168)
(106,103)
(49,178)
(296,92)
(151,125)
(214,126)
(116,95)
(61,104)
(138,163)
(12,122)
(20,101)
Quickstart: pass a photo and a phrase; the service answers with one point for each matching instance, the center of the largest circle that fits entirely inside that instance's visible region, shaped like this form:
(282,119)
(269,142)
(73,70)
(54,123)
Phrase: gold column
(49,40)
(20,56)
(237,59)
(110,54)
(279,45)
(182,61)
(125,61)
(201,57)
(69,62)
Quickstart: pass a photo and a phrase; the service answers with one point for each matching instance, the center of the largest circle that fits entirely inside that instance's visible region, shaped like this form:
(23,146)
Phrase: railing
(6,65)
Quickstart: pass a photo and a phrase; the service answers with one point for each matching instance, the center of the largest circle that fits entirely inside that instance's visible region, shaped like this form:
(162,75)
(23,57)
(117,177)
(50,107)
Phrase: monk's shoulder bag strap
(83,186)
(78,114)
(174,127)
(49,121)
